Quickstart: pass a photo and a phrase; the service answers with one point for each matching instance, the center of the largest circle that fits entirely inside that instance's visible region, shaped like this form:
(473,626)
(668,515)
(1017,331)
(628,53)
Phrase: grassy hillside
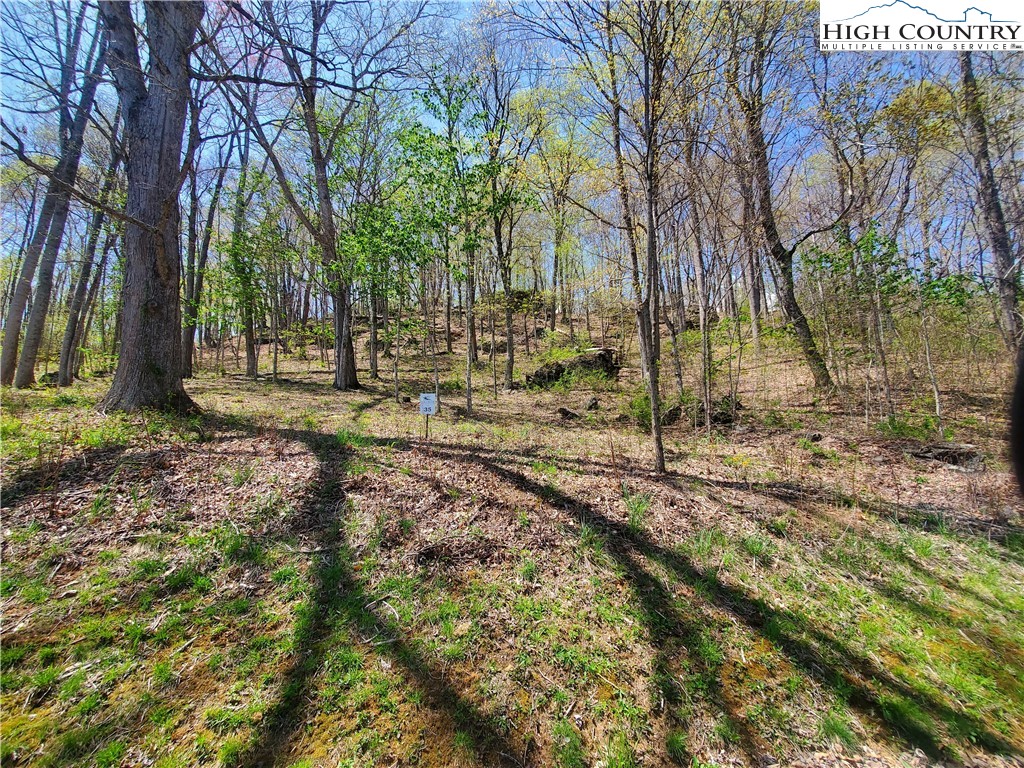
(298,578)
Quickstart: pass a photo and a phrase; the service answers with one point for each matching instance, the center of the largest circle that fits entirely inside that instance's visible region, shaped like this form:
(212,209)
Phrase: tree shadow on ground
(904,710)
(67,472)
(674,629)
(804,496)
(338,597)
(797,494)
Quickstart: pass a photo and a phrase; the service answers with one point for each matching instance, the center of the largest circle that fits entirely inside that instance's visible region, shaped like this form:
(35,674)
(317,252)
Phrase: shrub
(913,426)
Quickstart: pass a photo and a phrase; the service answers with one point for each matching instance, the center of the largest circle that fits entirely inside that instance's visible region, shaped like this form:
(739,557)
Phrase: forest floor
(297,577)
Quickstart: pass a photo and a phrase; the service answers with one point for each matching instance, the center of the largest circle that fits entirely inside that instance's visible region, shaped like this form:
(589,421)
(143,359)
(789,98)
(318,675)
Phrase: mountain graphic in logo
(902,9)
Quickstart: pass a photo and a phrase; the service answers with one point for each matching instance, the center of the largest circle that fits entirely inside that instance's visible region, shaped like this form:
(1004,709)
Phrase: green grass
(769,607)
(637,506)
(568,746)
(758,546)
(577,379)
(348,438)
(619,753)
(817,451)
(676,744)
(707,542)
(915,426)
(243,474)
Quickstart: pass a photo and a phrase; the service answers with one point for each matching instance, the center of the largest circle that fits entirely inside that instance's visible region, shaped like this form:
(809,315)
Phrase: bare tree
(79,65)
(200,228)
(756,34)
(510,135)
(638,67)
(77,306)
(991,204)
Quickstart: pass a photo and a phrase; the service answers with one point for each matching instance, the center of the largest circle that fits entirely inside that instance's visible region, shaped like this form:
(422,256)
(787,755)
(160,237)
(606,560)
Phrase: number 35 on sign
(428,404)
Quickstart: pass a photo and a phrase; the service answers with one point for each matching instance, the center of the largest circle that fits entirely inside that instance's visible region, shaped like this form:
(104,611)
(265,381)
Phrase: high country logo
(945,25)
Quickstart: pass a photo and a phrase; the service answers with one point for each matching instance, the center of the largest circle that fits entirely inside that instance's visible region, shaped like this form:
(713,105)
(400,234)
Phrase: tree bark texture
(991,205)
(148,370)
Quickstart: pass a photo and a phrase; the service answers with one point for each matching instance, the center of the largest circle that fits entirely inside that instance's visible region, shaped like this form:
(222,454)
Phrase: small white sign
(428,403)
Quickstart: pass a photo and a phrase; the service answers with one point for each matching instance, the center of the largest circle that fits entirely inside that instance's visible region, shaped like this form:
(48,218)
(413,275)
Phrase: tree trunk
(25,375)
(783,256)
(559,236)
(149,367)
(447,310)
(66,367)
(23,289)
(991,205)
(77,302)
(88,310)
(751,268)
(787,291)
(344,351)
(754,40)
(373,337)
(470,338)
(71,129)
(398,350)
(26,237)
(196,270)
(506,282)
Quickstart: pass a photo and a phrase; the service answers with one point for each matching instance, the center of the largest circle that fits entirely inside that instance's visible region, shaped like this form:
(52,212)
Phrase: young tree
(334,55)
(200,232)
(453,166)
(559,163)
(511,128)
(636,64)
(77,306)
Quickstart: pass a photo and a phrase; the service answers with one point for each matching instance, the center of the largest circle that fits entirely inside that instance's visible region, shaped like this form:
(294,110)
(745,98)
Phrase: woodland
(721,330)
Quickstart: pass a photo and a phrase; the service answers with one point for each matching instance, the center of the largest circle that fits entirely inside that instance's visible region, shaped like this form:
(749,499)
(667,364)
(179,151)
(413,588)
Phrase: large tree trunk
(149,366)
(991,205)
